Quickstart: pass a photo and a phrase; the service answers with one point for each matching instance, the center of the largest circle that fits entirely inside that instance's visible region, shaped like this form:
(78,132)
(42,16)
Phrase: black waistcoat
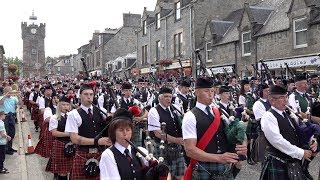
(48,103)
(185,102)
(287,131)
(227,110)
(266,104)
(124,166)
(89,128)
(123,103)
(218,143)
(35,96)
(61,128)
(172,125)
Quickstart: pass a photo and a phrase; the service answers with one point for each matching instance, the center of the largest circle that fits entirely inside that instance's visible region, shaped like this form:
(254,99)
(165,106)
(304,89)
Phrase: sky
(69,23)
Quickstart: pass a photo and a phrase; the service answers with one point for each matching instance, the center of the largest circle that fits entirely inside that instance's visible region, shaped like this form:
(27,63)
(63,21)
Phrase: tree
(16,61)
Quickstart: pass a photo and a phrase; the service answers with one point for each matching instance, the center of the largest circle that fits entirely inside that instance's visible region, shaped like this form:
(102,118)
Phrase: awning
(216,70)
(313,60)
(176,65)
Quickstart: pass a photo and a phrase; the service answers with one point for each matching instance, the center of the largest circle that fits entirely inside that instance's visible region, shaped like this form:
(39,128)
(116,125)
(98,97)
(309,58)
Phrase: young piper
(4,138)
(60,164)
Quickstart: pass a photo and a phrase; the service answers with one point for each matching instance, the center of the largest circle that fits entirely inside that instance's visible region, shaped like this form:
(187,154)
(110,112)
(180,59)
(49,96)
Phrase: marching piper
(84,125)
(166,112)
(283,154)
(205,141)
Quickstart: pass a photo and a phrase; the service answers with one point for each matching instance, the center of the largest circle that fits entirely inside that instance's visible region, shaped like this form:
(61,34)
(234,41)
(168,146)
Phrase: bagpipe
(156,169)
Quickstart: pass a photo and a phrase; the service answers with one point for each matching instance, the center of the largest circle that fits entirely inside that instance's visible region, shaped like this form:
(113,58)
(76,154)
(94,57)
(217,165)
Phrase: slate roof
(312,2)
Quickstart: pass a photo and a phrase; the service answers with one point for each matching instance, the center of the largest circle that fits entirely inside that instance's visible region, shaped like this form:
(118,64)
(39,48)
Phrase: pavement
(24,166)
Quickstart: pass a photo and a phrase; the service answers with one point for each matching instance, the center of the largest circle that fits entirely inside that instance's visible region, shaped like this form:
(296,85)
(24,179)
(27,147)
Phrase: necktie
(288,120)
(127,101)
(209,112)
(126,152)
(65,116)
(90,113)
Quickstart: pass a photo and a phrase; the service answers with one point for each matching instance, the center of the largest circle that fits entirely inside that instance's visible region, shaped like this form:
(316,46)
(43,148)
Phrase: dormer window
(246,43)
(300,27)
(209,52)
(144,27)
(158,20)
(178,10)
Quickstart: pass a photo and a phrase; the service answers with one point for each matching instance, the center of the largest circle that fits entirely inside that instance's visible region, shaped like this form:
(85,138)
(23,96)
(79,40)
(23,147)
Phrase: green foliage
(16,61)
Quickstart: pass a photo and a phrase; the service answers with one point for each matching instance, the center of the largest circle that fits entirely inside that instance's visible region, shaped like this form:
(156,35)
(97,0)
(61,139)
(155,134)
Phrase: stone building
(33,36)
(278,32)
(174,30)
(2,52)
(65,66)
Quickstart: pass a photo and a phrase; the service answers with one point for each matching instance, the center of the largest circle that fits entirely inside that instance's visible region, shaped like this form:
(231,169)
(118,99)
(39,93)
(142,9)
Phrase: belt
(285,161)
(90,150)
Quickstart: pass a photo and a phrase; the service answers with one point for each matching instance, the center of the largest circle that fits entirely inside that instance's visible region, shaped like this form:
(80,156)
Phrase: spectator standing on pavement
(8,104)
(4,138)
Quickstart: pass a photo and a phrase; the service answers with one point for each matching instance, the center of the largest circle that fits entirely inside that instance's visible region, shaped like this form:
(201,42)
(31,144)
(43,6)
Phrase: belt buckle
(93,150)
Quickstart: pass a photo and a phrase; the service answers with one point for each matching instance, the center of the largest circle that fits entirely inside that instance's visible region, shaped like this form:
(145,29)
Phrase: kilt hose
(215,169)
(274,169)
(59,162)
(79,160)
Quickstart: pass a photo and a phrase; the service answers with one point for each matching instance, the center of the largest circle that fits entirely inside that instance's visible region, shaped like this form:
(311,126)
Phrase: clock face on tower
(33,30)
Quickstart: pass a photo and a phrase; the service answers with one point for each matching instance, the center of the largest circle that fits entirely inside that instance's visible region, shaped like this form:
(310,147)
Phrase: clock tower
(33,35)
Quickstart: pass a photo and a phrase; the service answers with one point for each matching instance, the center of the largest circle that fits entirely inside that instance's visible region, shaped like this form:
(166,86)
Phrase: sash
(204,141)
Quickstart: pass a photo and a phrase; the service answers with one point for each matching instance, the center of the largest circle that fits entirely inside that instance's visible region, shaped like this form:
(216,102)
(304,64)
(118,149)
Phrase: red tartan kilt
(44,126)
(60,164)
(79,161)
(44,145)
(34,115)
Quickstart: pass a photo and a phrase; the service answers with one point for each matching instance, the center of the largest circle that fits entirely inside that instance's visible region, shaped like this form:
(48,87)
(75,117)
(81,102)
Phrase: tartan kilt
(34,115)
(137,136)
(44,145)
(213,168)
(252,129)
(178,166)
(60,163)
(49,167)
(274,169)
(79,160)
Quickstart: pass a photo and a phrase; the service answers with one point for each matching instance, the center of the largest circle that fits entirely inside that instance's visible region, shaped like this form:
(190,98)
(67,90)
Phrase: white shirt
(189,122)
(270,127)
(242,100)
(47,114)
(53,124)
(135,101)
(292,100)
(108,165)
(259,109)
(74,119)
(154,118)
(101,100)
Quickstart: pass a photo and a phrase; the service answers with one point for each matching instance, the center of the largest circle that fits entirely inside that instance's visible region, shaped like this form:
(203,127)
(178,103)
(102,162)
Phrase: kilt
(44,145)
(199,171)
(60,163)
(79,160)
(137,135)
(49,167)
(177,166)
(252,129)
(274,169)
(34,115)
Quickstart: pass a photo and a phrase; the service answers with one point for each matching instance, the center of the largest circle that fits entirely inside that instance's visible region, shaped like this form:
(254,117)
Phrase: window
(144,54)
(158,50)
(144,27)
(59,69)
(33,51)
(119,66)
(158,21)
(178,44)
(300,27)
(209,52)
(246,43)
(100,39)
(178,10)
(67,61)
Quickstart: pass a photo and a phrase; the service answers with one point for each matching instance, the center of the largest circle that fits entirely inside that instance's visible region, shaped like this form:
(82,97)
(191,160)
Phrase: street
(32,167)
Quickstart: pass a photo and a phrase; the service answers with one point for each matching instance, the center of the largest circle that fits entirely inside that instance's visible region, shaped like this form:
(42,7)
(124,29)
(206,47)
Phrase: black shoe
(308,175)
(4,171)
(9,152)
(37,130)
(13,150)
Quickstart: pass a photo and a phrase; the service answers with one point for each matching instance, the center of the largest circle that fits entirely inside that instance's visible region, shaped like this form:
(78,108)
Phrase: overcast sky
(69,23)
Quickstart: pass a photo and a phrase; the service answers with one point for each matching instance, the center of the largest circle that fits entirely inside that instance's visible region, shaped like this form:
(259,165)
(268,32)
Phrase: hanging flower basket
(12,68)
(165,62)
(14,78)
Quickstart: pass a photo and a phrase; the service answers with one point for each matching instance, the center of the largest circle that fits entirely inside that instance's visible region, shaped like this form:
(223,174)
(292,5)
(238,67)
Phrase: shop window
(300,27)
(209,52)
(246,43)
(177,10)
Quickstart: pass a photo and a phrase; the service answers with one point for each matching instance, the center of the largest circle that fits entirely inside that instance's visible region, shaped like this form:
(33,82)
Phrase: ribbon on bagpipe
(156,170)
